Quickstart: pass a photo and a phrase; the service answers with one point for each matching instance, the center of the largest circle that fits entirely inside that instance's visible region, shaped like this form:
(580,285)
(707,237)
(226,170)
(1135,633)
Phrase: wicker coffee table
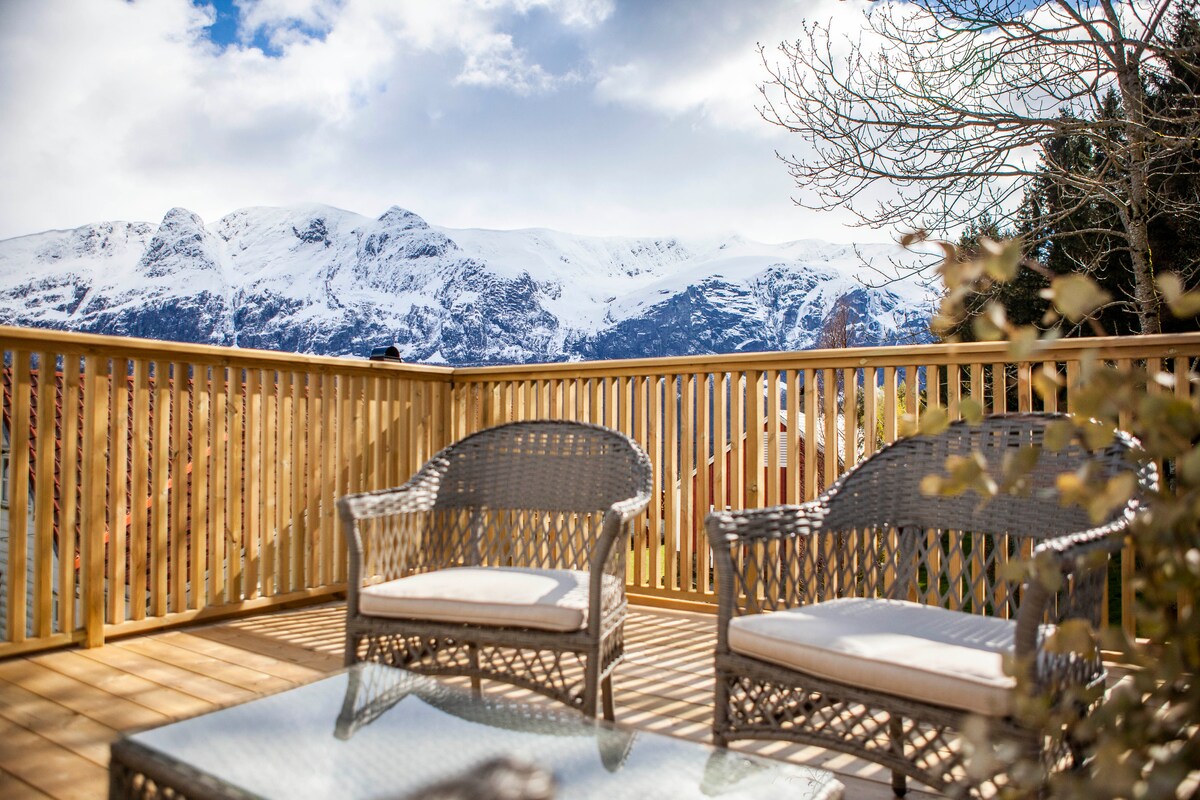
(378,732)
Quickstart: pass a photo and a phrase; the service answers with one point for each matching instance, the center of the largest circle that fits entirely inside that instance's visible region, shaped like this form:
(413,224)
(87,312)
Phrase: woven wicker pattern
(874,534)
(549,495)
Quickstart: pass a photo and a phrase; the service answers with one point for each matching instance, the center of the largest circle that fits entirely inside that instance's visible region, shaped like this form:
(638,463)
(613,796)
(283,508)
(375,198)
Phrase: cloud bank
(591,116)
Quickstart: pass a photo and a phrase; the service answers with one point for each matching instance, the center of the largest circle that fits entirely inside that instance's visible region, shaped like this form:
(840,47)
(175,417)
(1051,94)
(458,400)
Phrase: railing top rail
(91,344)
(1110,347)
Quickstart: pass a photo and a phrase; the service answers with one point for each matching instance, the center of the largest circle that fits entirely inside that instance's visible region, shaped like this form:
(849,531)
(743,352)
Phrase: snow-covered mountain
(322,280)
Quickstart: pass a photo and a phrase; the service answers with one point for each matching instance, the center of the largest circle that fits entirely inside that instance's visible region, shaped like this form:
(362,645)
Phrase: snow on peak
(316,278)
(400,219)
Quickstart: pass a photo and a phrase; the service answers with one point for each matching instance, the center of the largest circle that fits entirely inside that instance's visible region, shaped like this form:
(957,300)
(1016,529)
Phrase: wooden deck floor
(59,711)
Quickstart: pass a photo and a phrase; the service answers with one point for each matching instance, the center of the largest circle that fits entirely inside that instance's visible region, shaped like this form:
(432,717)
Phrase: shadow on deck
(59,711)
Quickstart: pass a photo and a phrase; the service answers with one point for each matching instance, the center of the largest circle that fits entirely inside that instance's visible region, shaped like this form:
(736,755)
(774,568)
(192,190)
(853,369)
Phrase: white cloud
(708,65)
(472,113)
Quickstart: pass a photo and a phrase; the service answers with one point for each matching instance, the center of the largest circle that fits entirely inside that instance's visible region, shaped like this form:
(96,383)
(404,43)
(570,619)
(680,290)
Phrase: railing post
(95,513)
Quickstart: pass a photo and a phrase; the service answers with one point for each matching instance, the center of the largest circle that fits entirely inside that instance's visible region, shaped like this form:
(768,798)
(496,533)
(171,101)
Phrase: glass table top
(378,732)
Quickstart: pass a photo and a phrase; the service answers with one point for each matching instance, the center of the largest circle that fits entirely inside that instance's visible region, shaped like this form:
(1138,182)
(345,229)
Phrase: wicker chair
(502,558)
(893,620)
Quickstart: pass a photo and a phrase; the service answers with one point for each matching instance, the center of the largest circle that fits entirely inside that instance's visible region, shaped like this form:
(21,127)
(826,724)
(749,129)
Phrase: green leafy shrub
(1143,736)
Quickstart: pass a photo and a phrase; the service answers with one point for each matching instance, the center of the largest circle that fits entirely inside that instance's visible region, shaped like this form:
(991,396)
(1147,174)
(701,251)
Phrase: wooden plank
(219,489)
(773,487)
(1000,388)
(235,487)
(298,527)
(889,405)
(329,473)
(118,505)
(755,425)
(1024,388)
(14,338)
(870,414)
(17,602)
(177,533)
(687,482)
(53,770)
(269,550)
(661,480)
(737,437)
(794,489)
(68,523)
(345,448)
(139,555)
(671,479)
(202,450)
(977,389)
(850,411)
(811,404)
(284,453)
(254,483)
(43,493)
(912,392)
(55,723)
(831,427)
(641,543)
(314,476)
(94,513)
(703,500)
(721,442)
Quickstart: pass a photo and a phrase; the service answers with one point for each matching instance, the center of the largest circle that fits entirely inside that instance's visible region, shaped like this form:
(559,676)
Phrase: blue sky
(605,117)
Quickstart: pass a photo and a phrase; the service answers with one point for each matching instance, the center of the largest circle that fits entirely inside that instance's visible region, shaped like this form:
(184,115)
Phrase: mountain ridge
(318,279)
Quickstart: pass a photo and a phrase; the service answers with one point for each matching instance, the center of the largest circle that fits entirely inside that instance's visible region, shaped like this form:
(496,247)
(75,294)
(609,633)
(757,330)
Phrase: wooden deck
(59,711)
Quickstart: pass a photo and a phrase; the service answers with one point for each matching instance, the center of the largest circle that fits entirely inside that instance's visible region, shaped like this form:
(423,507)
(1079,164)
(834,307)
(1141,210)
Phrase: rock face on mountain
(321,280)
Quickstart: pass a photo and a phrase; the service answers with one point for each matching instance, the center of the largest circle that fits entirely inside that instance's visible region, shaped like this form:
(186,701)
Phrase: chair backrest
(949,550)
(529,494)
(546,465)
(885,489)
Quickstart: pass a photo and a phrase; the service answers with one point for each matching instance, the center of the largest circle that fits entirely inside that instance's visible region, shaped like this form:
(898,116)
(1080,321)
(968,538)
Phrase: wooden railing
(725,431)
(152,484)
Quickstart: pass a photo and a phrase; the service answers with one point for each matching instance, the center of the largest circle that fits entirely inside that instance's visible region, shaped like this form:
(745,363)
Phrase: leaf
(1023,342)
(1096,434)
(1017,464)
(971,410)
(1059,434)
(1189,467)
(991,324)
(1117,492)
(1181,303)
(1046,383)
(1002,260)
(934,421)
(1076,296)
(1073,636)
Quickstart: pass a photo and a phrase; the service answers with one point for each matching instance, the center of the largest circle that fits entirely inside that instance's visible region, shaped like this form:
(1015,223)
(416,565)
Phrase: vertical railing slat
(94,513)
(43,493)
(254,485)
(202,481)
(139,557)
(17,602)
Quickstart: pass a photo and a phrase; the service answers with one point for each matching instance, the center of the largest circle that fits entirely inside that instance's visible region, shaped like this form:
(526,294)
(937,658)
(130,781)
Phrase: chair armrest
(1068,580)
(608,559)
(763,539)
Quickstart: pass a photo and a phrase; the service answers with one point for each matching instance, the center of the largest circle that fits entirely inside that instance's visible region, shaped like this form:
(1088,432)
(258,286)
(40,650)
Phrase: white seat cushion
(894,646)
(546,599)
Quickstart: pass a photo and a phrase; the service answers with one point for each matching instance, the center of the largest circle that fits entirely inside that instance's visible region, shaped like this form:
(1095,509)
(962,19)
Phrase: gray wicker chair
(893,619)
(502,558)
